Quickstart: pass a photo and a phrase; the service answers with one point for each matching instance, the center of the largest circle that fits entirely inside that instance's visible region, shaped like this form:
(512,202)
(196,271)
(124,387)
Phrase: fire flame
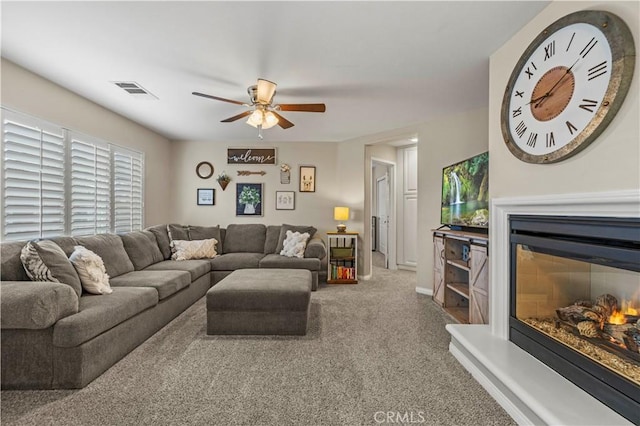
(618,317)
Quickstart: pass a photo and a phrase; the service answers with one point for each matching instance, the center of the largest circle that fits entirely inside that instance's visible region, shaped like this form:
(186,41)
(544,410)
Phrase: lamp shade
(341,213)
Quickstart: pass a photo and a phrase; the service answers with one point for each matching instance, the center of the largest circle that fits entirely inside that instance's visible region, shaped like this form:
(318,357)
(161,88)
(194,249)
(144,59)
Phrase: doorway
(383,235)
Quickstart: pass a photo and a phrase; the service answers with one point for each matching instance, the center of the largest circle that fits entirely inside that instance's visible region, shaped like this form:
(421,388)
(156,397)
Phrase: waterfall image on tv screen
(465,192)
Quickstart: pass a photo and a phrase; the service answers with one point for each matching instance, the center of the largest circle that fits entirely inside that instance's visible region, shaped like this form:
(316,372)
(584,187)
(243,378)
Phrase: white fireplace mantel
(527,389)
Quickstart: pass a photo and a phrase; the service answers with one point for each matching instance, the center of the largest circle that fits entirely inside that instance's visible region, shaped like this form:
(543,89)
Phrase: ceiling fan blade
(283,122)
(303,107)
(237,117)
(218,99)
(266,90)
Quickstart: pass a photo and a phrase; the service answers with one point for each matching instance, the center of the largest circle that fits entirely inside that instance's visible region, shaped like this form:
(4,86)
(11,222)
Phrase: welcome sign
(251,156)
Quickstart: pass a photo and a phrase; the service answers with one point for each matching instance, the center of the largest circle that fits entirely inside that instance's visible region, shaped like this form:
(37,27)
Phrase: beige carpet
(374,350)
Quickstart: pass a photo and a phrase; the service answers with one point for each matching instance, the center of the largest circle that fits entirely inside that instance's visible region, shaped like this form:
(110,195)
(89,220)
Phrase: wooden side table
(342,267)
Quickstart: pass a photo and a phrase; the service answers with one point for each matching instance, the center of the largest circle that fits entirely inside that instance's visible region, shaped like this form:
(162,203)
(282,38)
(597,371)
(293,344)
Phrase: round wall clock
(567,86)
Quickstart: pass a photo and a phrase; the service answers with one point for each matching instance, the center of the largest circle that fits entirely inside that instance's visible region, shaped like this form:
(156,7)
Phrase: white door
(382,211)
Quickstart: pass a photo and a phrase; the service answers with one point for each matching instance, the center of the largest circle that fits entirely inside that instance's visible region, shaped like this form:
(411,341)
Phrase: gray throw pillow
(206,233)
(283,234)
(162,237)
(178,232)
(142,248)
(45,261)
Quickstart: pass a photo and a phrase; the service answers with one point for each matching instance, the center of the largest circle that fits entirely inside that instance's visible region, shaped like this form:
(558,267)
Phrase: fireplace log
(577,314)
(632,339)
(609,302)
(588,329)
(617,331)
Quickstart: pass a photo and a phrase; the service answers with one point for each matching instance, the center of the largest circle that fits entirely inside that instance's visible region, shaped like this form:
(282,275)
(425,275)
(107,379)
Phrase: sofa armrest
(316,248)
(35,305)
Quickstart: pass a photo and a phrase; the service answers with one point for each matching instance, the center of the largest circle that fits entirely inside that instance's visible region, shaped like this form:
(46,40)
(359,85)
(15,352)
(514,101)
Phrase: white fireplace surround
(527,389)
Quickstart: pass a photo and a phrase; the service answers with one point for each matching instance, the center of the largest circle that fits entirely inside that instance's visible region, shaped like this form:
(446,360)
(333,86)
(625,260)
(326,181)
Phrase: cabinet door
(479,285)
(438,269)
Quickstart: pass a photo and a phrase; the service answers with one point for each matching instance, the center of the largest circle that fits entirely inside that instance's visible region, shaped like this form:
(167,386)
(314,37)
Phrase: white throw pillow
(294,244)
(196,249)
(91,271)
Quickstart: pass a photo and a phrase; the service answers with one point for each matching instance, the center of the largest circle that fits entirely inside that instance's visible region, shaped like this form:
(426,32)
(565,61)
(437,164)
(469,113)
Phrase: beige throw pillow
(91,270)
(294,244)
(196,249)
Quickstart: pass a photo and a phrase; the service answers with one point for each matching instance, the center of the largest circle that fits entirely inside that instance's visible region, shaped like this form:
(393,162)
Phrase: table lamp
(341,214)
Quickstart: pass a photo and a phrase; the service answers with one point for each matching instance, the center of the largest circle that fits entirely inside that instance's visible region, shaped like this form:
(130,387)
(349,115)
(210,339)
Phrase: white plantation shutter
(128,169)
(59,182)
(90,187)
(33,179)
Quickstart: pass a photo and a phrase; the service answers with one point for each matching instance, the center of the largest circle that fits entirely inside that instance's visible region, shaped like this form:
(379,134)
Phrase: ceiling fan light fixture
(256,118)
(270,120)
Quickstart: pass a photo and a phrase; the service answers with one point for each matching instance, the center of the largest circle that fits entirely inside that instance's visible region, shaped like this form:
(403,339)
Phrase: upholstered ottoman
(260,301)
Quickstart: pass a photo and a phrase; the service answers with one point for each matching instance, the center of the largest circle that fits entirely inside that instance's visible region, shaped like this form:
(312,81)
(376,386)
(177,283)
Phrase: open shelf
(461,288)
(461,314)
(458,263)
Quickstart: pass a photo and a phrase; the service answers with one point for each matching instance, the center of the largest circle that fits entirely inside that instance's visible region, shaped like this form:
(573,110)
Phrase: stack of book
(342,273)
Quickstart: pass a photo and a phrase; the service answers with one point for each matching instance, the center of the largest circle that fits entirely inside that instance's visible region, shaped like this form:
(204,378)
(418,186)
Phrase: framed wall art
(206,196)
(251,156)
(249,199)
(285,200)
(307,179)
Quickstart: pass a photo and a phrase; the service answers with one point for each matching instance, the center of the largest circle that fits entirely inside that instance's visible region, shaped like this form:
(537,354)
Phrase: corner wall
(26,92)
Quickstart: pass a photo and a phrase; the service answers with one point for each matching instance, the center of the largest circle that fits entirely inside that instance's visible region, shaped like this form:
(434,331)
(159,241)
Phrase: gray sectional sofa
(53,339)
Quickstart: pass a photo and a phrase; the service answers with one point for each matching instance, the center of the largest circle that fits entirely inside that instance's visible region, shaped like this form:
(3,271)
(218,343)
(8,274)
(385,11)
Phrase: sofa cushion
(245,238)
(110,248)
(165,282)
(315,248)
(233,261)
(67,244)
(142,248)
(98,314)
(11,268)
(45,261)
(91,271)
(196,249)
(293,228)
(206,233)
(178,232)
(35,305)
(271,240)
(196,268)
(162,238)
(282,262)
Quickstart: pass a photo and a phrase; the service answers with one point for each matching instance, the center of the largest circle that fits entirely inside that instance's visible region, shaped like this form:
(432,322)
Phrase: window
(60,182)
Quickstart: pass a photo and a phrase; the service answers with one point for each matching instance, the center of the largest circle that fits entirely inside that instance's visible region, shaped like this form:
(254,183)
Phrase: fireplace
(574,301)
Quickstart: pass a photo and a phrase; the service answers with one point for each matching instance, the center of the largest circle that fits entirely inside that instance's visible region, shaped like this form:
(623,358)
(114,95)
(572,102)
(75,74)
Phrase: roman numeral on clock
(521,94)
(550,140)
(571,127)
(597,70)
(529,72)
(521,128)
(588,104)
(517,112)
(550,50)
(585,51)
(570,41)
(533,137)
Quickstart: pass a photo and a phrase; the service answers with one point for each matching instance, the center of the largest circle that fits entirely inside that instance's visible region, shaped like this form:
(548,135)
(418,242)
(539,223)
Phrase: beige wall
(442,142)
(311,208)
(31,94)
(611,162)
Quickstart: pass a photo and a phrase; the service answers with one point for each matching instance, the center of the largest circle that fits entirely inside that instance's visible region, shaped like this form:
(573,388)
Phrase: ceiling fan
(263,113)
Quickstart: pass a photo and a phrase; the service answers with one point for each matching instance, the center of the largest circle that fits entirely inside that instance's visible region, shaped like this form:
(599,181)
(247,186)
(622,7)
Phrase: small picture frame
(307,179)
(206,197)
(285,200)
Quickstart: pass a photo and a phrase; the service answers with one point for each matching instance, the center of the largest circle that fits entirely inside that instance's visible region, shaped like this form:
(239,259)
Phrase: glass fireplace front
(575,302)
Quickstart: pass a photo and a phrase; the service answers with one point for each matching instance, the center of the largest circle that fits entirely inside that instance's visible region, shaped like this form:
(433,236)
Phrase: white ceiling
(376,65)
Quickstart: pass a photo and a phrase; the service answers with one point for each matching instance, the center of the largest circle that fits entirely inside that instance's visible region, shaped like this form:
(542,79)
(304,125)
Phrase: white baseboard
(425,291)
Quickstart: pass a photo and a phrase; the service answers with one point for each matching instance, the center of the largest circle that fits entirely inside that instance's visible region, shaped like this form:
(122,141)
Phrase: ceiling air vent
(134,89)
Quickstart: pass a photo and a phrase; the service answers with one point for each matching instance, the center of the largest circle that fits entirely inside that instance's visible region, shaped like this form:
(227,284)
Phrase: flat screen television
(465,193)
